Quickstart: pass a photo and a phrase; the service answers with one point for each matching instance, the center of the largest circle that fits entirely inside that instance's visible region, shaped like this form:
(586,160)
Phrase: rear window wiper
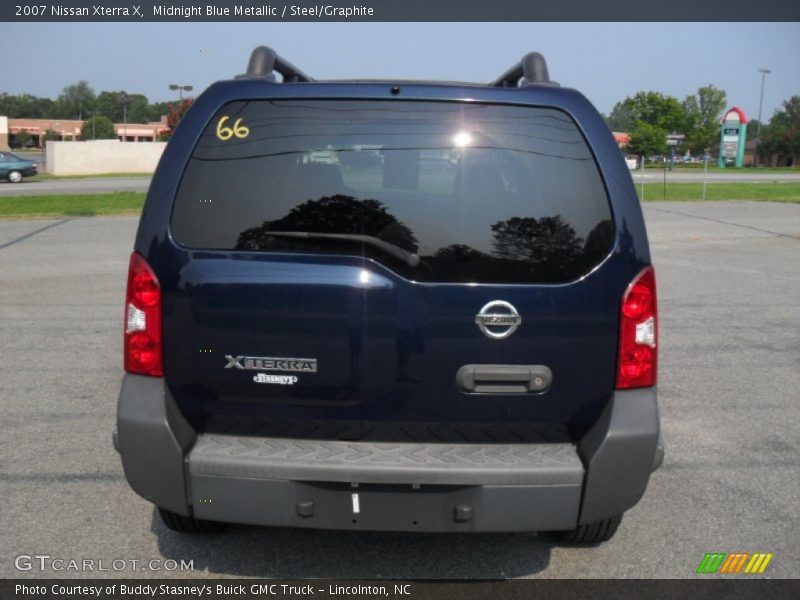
(411,259)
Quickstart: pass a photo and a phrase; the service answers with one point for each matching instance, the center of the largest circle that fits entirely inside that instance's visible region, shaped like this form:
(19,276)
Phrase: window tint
(479,193)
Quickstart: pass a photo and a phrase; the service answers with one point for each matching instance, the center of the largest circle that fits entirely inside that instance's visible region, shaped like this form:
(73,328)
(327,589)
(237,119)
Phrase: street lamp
(180,87)
(124,98)
(764,73)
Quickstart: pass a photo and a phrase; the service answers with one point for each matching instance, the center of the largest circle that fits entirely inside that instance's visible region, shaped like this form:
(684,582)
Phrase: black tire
(14,176)
(593,533)
(183,524)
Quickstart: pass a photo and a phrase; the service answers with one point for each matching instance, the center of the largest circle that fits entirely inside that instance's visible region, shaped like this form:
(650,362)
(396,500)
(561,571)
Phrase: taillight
(638,333)
(143,352)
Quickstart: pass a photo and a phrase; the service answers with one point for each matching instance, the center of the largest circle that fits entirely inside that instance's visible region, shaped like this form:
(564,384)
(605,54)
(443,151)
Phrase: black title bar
(396,10)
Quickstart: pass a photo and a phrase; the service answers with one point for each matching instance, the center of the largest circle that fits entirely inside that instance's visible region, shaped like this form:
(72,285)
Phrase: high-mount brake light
(143,350)
(637,360)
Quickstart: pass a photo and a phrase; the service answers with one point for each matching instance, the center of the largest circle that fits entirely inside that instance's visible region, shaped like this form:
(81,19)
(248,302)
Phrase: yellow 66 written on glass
(225,133)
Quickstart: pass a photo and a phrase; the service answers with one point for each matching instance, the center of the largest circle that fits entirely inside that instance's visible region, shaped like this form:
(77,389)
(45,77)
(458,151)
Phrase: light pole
(123,97)
(180,87)
(764,73)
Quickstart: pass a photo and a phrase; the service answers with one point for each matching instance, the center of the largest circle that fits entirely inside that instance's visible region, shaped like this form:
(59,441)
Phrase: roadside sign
(672,142)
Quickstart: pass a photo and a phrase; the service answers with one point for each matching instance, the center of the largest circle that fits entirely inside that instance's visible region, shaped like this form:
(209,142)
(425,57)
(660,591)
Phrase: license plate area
(376,506)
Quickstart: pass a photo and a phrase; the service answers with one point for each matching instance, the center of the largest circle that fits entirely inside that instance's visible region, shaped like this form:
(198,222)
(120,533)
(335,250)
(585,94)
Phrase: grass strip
(768,191)
(49,177)
(71,205)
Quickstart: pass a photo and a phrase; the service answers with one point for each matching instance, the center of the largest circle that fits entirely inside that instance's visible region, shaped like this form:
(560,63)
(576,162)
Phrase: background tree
(752,129)
(50,135)
(138,109)
(703,111)
(653,108)
(108,105)
(621,117)
(23,139)
(647,140)
(157,110)
(782,135)
(99,127)
(76,100)
(26,106)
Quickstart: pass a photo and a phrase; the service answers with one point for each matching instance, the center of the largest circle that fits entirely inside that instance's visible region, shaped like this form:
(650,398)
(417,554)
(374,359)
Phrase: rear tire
(14,176)
(592,533)
(184,524)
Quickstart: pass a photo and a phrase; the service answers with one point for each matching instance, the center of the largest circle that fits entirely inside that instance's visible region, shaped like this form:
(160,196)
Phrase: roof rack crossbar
(531,69)
(264,61)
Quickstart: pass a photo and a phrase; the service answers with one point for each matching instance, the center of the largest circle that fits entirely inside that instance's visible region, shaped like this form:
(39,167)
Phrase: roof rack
(264,61)
(531,70)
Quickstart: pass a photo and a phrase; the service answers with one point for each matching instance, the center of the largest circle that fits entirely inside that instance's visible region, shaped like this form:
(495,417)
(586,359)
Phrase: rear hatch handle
(411,259)
(504,379)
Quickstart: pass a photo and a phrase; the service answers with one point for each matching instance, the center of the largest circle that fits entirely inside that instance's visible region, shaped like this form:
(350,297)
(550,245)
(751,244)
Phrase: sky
(605,61)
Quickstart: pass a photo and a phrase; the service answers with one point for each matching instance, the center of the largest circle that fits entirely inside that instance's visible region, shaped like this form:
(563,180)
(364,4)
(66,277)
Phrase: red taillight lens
(638,333)
(143,351)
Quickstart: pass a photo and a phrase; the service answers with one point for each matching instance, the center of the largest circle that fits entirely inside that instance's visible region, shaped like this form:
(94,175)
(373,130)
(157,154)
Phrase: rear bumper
(385,486)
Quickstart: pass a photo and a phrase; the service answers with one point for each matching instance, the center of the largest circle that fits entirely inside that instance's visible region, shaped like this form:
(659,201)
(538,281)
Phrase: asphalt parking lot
(729,294)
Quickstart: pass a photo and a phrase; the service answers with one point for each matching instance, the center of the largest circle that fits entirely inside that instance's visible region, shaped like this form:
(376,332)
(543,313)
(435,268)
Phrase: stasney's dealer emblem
(270,363)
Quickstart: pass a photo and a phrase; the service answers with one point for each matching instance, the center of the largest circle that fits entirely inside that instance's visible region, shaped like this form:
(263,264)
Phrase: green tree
(98,127)
(702,113)
(782,135)
(157,110)
(76,100)
(110,104)
(653,108)
(752,129)
(26,106)
(621,117)
(138,109)
(647,139)
(23,139)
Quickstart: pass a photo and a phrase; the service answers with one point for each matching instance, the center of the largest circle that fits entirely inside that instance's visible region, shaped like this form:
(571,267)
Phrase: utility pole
(123,97)
(764,73)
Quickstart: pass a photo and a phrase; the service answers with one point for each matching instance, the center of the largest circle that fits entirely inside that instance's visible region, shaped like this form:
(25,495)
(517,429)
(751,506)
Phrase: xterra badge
(266,363)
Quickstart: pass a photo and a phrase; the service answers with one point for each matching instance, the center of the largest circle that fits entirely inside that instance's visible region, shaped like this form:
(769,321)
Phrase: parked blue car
(14,168)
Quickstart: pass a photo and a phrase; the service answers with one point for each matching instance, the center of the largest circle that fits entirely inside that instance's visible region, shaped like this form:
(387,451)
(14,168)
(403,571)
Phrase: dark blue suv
(391,305)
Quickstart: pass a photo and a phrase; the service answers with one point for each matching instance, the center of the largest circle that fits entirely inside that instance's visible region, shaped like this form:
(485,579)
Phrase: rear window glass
(436,191)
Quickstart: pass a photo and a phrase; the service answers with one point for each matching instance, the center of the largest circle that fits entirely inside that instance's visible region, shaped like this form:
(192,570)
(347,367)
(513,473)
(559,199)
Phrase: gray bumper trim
(153,438)
(519,487)
(372,462)
(386,507)
(620,452)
